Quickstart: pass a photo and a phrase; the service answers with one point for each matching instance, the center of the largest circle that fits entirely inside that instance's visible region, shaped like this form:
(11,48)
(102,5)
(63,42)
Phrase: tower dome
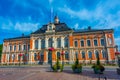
(56,19)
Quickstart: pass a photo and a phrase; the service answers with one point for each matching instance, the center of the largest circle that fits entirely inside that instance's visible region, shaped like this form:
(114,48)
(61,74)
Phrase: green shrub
(58,67)
(98,67)
(77,66)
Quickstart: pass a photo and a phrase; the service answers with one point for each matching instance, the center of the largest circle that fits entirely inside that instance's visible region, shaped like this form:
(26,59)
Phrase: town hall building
(67,44)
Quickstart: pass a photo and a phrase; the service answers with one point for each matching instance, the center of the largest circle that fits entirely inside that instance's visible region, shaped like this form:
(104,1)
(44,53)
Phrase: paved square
(42,73)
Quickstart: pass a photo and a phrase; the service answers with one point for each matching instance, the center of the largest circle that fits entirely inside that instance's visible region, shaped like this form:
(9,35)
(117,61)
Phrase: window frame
(87,42)
(81,44)
(101,41)
(76,45)
(94,42)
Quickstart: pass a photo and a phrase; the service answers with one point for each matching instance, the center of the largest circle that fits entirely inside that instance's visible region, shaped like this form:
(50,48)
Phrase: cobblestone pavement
(38,73)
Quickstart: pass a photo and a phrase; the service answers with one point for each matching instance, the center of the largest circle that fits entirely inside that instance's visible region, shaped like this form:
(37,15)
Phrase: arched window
(58,55)
(36,44)
(66,42)
(42,43)
(97,53)
(76,55)
(13,57)
(90,54)
(50,42)
(42,56)
(103,53)
(35,56)
(58,43)
(66,55)
(83,54)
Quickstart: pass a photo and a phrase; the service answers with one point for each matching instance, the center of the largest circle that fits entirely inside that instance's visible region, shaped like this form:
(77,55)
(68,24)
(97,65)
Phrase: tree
(1,46)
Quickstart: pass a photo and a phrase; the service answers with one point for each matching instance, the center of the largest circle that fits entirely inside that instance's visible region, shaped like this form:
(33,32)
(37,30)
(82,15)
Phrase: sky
(26,16)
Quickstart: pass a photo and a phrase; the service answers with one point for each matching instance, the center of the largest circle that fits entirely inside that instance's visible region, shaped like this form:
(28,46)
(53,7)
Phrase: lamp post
(20,55)
(50,50)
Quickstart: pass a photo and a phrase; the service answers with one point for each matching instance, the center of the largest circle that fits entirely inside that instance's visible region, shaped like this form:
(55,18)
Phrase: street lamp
(20,55)
(62,53)
(50,50)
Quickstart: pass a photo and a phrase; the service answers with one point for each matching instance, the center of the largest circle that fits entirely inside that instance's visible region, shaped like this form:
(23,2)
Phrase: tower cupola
(56,19)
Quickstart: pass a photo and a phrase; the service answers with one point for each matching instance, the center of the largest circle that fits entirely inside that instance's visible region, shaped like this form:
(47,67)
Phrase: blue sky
(26,16)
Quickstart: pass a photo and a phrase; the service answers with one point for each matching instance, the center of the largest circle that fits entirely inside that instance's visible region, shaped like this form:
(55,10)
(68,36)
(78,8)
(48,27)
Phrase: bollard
(99,78)
(105,78)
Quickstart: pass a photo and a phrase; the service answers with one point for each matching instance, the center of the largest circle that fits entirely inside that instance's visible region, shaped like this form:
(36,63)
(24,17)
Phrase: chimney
(22,34)
(89,27)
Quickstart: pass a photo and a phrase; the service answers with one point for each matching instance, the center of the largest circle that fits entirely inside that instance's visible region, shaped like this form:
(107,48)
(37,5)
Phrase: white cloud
(7,24)
(26,27)
(117,41)
(50,1)
(76,26)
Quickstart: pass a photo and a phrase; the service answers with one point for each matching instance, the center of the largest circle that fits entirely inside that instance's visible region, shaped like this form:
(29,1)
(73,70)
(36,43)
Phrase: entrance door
(49,57)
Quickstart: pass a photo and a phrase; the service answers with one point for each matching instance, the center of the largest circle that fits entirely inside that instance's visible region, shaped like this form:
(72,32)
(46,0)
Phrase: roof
(17,38)
(91,30)
(59,28)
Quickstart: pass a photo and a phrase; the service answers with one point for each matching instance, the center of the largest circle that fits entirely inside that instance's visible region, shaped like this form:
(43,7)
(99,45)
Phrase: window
(83,54)
(50,41)
(35,56)
(36,44)
(42,56)
(24,47)
(58,55)
(96,54)
(102,42)
(66,42)
(14,47)
(82,43)
(76,54)
(103,53)
(28,47)
(110,40)
(66,55)
(88,43)
(13,57)
(42,43)
(95,43)
(10,47)
(50,27)
(19,47)
(90,54)
(58,43)
(76,43)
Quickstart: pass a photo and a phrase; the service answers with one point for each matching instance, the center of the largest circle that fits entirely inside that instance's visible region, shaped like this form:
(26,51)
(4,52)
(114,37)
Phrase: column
(46,42)
(39,44)
(62,42)
(33,45)
(54,42)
